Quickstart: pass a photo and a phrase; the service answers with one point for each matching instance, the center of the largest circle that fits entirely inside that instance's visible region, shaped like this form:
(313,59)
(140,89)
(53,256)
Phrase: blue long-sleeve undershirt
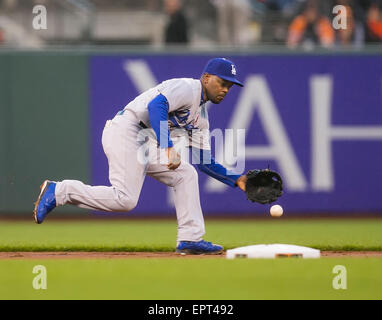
(207,164)
(158,113)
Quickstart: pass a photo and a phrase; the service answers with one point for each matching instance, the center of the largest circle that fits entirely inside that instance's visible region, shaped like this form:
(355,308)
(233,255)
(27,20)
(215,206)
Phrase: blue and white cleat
(198,247)
(46,201)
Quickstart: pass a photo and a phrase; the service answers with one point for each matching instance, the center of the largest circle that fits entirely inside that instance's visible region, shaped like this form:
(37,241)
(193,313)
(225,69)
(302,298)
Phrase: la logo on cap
(233,70)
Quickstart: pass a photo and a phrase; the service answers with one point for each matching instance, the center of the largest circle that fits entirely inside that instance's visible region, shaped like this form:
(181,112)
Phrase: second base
(272,251)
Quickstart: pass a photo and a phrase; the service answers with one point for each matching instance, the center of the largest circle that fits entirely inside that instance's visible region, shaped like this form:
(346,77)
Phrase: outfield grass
(175,279)
(160,235)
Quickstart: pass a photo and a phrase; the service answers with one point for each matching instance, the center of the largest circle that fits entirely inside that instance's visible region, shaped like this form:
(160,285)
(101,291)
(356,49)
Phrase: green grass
(160,235)
(200,279)
(174,279)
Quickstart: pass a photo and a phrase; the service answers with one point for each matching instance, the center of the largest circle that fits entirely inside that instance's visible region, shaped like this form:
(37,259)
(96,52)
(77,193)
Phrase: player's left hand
(241,182)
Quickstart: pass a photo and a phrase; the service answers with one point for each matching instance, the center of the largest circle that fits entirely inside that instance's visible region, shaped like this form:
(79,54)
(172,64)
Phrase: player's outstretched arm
(207,164)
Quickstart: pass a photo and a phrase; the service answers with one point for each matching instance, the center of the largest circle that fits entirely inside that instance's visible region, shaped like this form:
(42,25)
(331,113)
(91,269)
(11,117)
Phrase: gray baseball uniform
(124,147)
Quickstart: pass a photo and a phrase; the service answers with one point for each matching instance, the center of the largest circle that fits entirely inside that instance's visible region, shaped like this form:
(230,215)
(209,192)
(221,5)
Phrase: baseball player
(174,106)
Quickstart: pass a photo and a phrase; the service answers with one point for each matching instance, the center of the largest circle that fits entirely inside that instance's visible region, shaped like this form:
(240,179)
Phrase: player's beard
(214,99)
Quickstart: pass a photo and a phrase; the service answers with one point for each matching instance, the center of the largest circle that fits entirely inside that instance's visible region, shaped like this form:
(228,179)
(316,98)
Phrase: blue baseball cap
(223,68)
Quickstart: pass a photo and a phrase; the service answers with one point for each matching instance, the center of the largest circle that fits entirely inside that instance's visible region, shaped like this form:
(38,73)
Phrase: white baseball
(276,211)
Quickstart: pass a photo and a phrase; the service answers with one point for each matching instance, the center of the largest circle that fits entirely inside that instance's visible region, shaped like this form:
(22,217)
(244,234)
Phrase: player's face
(216,88)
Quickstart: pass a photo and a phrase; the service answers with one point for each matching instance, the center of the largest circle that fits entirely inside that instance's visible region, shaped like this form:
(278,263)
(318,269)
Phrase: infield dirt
(159,255)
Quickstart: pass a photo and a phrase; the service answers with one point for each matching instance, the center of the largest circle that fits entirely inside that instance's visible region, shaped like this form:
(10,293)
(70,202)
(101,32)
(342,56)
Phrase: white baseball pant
(127,172)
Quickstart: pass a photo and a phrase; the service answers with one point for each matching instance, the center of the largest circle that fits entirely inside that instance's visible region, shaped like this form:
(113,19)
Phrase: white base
(272,251)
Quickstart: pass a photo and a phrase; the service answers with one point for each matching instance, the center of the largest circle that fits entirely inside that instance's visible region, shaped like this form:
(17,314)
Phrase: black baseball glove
(263,186)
